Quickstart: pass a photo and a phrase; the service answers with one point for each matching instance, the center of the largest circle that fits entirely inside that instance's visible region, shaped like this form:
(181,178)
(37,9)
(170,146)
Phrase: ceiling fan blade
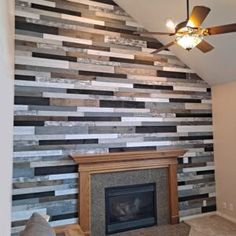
(222,29)
(204,46)
(152,33)
(164,47)
(198,15)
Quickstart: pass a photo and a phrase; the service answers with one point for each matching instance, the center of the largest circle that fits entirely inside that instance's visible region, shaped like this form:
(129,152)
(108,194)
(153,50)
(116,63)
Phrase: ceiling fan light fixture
(189,42)
(188,38)
(189,33)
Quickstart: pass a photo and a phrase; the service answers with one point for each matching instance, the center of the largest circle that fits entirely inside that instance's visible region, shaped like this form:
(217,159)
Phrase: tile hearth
(164,230)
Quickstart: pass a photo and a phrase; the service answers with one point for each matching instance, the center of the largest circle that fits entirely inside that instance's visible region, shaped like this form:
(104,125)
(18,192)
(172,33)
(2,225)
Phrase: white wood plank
(21,60)
(67,39)
(82,19)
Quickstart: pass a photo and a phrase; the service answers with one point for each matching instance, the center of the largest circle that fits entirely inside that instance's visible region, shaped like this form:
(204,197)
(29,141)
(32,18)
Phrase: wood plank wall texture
(85,84)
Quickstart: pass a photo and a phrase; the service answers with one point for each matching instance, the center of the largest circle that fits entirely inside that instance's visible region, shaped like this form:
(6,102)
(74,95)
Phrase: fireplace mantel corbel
(125,161)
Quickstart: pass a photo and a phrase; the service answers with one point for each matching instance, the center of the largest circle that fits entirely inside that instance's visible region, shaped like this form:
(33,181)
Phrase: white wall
(6,108)
(224,124)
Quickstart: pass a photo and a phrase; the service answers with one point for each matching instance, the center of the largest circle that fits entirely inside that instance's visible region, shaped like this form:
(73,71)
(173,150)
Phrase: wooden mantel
(124,161)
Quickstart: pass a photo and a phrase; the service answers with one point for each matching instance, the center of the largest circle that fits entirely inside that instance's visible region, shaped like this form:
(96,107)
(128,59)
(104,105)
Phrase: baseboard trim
(230,218)
(197,216)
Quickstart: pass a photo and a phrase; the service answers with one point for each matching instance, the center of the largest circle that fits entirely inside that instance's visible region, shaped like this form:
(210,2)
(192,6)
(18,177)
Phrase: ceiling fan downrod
(187,9)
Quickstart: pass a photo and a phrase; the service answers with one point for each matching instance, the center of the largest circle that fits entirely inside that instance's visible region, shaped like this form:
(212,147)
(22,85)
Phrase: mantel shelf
(128,156)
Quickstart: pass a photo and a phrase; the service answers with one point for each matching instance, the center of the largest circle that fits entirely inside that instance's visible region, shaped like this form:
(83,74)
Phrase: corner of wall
(6,119)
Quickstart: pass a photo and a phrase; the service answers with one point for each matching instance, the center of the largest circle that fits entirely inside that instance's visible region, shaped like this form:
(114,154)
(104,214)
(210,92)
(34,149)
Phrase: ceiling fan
(189,33)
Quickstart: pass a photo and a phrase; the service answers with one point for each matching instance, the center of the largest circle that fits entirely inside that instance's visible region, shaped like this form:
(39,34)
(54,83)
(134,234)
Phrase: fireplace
(130,207)
(101,172)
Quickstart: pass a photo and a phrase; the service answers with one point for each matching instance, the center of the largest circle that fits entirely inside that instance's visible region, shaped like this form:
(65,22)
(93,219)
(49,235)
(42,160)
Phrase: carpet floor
(213,225)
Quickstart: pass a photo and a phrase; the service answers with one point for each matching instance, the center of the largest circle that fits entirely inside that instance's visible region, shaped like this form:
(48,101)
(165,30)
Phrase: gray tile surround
(101,181)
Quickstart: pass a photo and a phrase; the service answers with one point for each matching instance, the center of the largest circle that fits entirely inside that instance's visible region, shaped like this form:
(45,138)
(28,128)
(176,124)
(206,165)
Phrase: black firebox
(130,207)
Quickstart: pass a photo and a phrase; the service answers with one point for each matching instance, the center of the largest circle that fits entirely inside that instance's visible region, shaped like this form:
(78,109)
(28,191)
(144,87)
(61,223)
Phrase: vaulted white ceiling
(217,66)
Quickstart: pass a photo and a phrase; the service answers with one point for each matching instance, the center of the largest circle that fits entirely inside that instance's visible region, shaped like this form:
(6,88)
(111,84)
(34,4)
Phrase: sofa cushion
(37,226)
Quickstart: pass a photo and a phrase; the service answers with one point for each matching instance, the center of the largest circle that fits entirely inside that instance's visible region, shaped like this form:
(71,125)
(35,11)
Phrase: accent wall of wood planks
(85,84)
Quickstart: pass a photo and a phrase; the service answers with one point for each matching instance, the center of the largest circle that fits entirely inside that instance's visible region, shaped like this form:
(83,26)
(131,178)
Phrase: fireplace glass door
(130,207)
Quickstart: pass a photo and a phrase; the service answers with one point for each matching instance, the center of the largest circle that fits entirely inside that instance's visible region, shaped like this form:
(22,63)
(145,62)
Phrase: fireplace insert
(130,207)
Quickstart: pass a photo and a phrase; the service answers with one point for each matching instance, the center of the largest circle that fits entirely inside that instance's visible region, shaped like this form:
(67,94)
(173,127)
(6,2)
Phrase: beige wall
(224,122)
(6,117)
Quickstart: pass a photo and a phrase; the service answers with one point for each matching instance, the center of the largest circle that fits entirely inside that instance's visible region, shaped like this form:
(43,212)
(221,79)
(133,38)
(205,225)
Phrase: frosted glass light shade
(189,41)
(188,38)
